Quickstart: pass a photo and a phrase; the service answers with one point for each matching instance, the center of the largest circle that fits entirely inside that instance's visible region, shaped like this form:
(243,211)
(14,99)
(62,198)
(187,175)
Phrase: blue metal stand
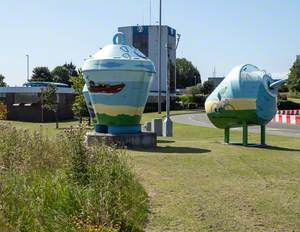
(101,128)
(227,135)
(124,129)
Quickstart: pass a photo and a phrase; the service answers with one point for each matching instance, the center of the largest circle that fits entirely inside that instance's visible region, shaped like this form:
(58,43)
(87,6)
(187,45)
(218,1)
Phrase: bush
(3,111)
(282,97)
(294,95)
(288,105)
(60,185)
(197,99)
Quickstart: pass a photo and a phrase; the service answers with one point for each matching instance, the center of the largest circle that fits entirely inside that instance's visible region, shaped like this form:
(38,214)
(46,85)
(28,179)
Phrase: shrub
(60,185)
(294,95)
(282,97)
(288,105)
(3,111)
(197,99)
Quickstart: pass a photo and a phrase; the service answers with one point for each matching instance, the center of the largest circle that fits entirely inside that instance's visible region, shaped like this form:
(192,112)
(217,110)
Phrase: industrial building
(146,39)
(25,103)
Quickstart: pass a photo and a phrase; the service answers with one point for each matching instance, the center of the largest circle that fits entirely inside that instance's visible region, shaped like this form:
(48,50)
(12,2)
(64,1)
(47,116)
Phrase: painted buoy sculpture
(118,78)
(247,96)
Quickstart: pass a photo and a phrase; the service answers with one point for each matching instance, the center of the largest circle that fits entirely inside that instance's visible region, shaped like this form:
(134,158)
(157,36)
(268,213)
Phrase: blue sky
(214,33)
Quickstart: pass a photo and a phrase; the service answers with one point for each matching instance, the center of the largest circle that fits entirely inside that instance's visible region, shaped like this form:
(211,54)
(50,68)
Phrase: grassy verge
(196,183)
(57,184)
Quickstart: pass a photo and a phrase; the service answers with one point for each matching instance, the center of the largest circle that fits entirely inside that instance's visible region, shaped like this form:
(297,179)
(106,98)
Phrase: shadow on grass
(279,148)
(266,147)
(165,141)
(167,149)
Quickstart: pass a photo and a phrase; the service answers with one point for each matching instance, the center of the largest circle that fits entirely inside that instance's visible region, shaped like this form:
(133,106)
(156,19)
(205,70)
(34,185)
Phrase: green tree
(71,69)
(207,87)
(186,73)
(79,107)
(41,74)
(60,74)
(294,77)
(49,102)
(2,83)
(193,90)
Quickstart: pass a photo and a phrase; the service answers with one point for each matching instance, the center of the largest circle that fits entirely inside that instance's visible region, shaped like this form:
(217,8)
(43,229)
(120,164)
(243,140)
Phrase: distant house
(216,80)
(25,103)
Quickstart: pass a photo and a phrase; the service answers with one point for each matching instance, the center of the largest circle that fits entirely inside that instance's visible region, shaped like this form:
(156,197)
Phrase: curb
(287,119)
(288,112)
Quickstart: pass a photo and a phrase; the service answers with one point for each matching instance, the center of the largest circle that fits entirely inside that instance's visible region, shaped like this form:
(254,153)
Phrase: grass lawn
(196,183)
(297,100)
(48,128)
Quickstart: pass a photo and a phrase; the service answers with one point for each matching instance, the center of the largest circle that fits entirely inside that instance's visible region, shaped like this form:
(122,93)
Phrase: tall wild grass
(60,185)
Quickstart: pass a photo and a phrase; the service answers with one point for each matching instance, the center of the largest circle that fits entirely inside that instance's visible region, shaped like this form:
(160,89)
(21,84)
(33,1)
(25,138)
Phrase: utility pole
(27,56)
(42,103)
(177,42)
(168,124)
(159,61)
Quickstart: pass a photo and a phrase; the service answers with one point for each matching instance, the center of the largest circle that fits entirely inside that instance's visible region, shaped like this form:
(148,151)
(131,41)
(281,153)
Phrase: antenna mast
(214,72)
(150,12)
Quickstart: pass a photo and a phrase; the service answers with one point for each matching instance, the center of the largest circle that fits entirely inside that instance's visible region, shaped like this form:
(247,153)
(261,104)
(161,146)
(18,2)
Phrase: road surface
(272,128)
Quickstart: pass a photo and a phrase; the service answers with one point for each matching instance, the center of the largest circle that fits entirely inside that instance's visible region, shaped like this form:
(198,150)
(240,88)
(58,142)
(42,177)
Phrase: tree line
(60,74)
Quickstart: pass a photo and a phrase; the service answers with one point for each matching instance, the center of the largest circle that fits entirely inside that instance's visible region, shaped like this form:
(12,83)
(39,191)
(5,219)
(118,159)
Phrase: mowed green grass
(195,183)
(297,100)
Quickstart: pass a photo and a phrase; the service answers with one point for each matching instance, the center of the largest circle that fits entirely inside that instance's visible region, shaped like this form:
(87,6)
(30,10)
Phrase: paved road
(201,119)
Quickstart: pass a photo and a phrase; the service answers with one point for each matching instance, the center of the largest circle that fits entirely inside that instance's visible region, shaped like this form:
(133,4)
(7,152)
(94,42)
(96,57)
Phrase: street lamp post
(159,61)
(42,104)
(177,42)
(168,124)
(27,56)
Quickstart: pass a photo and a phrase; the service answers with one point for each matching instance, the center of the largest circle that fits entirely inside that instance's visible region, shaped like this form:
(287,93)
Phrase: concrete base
(147,127)
(168,127)
(156,126)
(139,140)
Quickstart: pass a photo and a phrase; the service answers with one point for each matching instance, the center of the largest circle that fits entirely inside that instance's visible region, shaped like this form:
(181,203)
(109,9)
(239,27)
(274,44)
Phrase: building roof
(34,90)
(44,84)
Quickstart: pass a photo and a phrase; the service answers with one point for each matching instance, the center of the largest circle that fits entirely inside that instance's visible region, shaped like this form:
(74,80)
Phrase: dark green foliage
(79,107)
(288,105)
(282,96)
(60,185)
(294,77)
(79,159)
(49,100)
(71,69)
(193,90)
(41,74)
(60,74)
(2,83)
(207,87)
(198,99)
(186,73)
(78,82)
(284,88)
